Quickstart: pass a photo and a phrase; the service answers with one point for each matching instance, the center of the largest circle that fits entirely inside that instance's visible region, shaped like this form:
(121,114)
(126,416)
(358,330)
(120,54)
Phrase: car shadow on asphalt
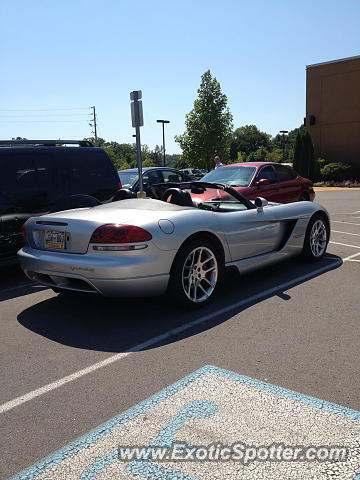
(14,283)
(93,322)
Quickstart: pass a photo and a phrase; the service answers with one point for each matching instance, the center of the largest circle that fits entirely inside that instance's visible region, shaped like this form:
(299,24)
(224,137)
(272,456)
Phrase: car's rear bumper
(110,275)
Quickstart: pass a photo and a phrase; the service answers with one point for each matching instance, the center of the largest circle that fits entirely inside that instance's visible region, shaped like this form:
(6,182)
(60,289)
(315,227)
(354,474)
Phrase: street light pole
(283,143)
(163,131)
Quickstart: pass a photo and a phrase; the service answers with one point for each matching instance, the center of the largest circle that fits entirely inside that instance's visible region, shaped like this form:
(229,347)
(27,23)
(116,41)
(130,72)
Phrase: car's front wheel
(316,238)
(196,273)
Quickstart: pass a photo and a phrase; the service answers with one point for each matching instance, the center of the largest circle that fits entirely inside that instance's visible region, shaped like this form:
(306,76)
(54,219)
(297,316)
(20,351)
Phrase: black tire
(304,197)
(211,255)
(310,252)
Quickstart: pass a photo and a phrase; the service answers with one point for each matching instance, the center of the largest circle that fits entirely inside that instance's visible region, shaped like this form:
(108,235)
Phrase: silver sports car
(180,244)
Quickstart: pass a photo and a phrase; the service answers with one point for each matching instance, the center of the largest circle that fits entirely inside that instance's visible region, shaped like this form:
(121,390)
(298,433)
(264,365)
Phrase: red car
(274,181)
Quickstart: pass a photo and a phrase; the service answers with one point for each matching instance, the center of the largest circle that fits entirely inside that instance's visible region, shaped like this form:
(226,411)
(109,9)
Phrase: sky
(59,58)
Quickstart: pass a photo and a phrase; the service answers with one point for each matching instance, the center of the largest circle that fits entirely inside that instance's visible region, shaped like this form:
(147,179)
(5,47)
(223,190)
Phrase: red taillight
(120,185)
(23,232)
(114,233)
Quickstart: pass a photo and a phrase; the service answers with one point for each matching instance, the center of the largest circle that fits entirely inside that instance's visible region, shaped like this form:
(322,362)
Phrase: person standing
(217,162)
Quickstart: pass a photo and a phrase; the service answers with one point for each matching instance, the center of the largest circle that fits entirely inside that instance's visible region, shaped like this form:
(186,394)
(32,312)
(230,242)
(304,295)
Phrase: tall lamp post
(163,130)
(283,143)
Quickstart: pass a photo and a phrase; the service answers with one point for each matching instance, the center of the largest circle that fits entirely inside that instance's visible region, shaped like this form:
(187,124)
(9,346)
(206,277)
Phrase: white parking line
(345,223)
(346,233)
(345,244)
(5,407)
(342,213)
(350,258)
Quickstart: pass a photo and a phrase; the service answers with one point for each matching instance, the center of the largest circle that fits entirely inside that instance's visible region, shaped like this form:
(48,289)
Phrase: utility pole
(94,122)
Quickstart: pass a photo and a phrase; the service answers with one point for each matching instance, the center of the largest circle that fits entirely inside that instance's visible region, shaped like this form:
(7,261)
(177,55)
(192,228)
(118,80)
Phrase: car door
(289,188)
(250,233)
(271,190)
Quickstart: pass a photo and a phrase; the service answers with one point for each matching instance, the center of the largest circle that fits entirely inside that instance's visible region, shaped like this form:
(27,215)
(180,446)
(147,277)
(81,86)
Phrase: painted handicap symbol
(198,409)
(192,410)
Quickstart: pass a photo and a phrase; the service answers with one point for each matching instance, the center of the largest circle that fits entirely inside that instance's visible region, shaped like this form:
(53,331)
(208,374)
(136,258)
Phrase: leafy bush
(345,183)
(336,171)
(319,163)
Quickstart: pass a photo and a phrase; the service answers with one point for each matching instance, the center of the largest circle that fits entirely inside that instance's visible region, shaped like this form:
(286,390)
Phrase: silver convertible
(179,242)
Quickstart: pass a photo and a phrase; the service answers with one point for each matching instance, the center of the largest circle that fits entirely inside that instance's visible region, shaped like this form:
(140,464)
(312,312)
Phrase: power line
(40,116)
(49,115)
(43,121)
(42,109)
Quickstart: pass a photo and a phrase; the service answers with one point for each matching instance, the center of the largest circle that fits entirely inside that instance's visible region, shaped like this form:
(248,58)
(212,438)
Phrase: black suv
(41,176)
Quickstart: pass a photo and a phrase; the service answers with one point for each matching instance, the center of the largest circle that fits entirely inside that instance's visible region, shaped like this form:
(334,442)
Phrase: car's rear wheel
(316,238)
(196,273)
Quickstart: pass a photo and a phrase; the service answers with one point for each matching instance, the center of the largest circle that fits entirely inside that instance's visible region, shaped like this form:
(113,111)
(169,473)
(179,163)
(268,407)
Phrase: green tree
(208,126)
(304,154)
(275,155)
(260,154)
(248,139)
(240,157)
(157,156)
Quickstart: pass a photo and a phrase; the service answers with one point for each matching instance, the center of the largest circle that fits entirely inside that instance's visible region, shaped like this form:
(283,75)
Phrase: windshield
(216,200)
(234,176)
(127,179)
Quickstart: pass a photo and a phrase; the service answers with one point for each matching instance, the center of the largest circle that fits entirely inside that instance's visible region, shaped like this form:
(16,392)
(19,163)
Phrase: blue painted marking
(97,467)
(192,410)
(151,471)
(33,472)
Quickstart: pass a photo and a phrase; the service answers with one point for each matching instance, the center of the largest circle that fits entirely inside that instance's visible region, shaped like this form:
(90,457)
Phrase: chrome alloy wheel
(318,238)
(199,274)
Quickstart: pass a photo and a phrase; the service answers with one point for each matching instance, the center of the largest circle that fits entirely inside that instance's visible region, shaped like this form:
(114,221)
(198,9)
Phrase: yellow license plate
(54,239)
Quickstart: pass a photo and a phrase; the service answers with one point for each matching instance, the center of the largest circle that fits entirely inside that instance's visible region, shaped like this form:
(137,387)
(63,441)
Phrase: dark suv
(40,176)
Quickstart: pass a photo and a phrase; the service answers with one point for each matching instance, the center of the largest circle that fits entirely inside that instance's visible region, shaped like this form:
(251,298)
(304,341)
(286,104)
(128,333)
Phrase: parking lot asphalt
(68,365)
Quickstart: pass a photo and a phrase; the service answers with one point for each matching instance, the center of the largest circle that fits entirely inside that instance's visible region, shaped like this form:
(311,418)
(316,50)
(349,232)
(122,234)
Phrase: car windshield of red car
(234,176)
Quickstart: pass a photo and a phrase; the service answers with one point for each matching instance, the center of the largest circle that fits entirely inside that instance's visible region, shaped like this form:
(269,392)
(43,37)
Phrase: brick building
(333,109)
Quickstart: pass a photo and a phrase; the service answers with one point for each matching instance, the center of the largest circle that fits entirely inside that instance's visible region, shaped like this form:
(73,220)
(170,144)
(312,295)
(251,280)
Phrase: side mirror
(260,203)
(262,182)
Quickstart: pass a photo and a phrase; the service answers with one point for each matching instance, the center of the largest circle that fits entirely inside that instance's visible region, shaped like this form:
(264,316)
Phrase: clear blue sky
(74,54)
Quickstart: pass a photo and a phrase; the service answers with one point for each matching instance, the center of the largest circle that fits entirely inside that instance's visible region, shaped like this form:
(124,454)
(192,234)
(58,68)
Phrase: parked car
(129,178)
(145,246)
(39,176)
(274,181)
(193,172)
